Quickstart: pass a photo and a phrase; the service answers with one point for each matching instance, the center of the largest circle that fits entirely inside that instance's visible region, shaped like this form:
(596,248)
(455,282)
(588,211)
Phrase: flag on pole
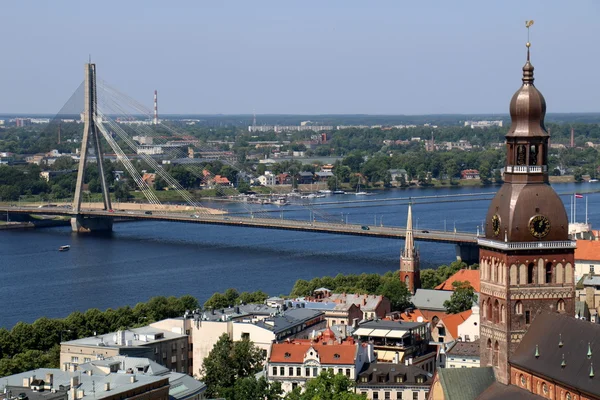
(578,196)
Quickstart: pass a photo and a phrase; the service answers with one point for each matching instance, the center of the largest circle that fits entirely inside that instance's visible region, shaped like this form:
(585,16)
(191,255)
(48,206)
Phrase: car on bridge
(365,228)
(148,212)
(425,231)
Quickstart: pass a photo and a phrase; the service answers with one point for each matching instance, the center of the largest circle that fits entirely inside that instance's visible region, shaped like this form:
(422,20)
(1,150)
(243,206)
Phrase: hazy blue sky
(302,57)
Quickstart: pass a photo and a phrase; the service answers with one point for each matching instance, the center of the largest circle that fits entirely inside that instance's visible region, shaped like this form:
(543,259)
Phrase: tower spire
(409,262)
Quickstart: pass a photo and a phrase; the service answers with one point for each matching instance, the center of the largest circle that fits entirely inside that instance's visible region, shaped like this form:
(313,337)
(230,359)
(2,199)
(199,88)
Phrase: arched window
(496,354)
(497,273)
(530,273)
(560,306)
(559,274)
(522,274)
(568,273)
(519,308)
(489,349)
(407,281)
(490,315)
(496,316)
(503,314)
(484,309)
(549,272)
(514,277)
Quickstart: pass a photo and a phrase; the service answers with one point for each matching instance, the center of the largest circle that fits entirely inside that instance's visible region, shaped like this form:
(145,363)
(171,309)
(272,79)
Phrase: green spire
(537,351)
(589,353)
(560,343)
(563,363)
(591,370)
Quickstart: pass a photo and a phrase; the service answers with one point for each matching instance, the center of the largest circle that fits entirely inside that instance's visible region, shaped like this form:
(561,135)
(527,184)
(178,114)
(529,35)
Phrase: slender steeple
(409,262)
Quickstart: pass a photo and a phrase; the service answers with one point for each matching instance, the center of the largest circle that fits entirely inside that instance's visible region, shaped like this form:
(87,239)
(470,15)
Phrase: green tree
(429,279)
(252,389)
(244,187)
(397,292)
(227,362)
(462,299)
(326,386)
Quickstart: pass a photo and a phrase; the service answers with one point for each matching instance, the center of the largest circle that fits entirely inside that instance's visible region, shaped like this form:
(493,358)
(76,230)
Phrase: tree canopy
(326,386)
(462,298)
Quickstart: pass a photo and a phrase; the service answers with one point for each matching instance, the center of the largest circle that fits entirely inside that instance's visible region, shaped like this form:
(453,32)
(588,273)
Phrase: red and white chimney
(155,121)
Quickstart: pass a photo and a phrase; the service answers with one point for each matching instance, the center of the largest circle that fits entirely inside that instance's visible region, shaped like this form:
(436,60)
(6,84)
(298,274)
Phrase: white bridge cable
(117,108)
(153,164)
(152,199)
(146,130)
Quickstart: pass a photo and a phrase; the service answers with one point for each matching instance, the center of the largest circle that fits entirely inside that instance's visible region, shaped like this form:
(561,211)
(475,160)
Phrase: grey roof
(498,391)
(465,349)
(92,385)
(237,312)
(465,383)
(367,302)
(389,371)
(324,173)
(306,173)
(392,325)
(135,337)
(430,299)
(591,280)
(13,391)
(576,335)
(281,323)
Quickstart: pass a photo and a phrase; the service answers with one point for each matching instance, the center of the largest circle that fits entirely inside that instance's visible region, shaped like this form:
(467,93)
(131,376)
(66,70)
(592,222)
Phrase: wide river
(144,259)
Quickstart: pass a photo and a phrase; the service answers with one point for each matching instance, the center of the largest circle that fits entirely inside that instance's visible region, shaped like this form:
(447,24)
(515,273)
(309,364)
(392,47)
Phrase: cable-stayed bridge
(111,120)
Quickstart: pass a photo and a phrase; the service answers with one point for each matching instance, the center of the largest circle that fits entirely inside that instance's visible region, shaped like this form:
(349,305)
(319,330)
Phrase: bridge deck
(265,223)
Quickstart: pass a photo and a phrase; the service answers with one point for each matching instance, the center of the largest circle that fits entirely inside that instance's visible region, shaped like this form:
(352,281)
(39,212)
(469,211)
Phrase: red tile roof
(470,275)
(452,321)
(413,316)
(222,180)
(588,250)
(294,352)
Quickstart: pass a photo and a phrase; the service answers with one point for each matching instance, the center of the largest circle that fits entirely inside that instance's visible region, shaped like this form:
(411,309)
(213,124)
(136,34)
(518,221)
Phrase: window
(74,359)
(592,269)
(549,272)
(281,371)
(274,371)
(467,339)
(348,372)
(386,395)
(287,355)
(527,317)
(315,371)
(375,395)
(530,273)
(298,371)
(398,395)
(294,385)
(339,371)
(560,306)
(307,371)
(87,359)
(245,336)
(381,378)
(415,395)
(519,308)
(364,379)
(291,369)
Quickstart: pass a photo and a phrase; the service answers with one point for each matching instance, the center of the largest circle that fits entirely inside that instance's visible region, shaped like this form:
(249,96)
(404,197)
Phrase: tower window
(533,154)
(519,308)
(527,317)
(530,273)
(560,306)
(548,272)
(592,269)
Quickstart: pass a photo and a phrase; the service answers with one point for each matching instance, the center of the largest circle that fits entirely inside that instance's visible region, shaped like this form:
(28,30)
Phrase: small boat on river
(64,248)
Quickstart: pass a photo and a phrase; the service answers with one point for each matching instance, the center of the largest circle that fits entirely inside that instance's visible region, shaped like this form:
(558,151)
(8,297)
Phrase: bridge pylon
(91,137)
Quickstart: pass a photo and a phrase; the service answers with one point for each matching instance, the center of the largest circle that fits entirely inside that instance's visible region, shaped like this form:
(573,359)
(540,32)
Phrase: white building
(268,179)
(463,355)
(587,258)
(468,330)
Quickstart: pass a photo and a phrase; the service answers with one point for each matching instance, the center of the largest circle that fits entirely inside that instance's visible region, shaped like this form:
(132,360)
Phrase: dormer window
(364,378)
(420,378)
(400,378)
(287,355)
(336,356)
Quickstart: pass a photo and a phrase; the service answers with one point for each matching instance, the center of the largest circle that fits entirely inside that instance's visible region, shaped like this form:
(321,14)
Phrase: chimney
(396,358)
(31,379)
(106,386)
(132,379)
(49,379)
(589,297)
(80,394)
(26,382)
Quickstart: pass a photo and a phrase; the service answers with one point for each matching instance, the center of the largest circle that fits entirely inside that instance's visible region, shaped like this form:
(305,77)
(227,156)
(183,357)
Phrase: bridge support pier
(468,253)
(80,224)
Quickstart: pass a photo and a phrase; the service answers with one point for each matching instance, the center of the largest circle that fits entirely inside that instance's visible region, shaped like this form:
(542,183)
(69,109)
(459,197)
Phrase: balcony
(496,244)
(526,169)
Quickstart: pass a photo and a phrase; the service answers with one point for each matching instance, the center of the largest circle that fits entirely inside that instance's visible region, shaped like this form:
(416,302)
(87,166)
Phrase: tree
(462,299)
(243,187)
(227,362)
(397,292)
(326,386)
(429,279)
(252,389)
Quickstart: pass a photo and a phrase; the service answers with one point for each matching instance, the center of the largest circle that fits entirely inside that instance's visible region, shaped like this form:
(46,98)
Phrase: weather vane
(528,25)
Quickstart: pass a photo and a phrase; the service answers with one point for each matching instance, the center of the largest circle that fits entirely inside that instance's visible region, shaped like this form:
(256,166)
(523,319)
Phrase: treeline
(37,345)
(231,298)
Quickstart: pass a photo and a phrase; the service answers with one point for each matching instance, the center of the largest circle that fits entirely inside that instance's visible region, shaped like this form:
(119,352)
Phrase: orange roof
(221,179)
(452,321)
(588,250)
(294,352)
(470,275)
(412,316)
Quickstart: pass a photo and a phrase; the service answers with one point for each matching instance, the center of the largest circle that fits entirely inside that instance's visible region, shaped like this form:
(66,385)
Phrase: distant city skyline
(270,57)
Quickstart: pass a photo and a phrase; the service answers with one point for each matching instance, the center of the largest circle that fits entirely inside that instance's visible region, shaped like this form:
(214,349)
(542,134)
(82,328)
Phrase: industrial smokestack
(155,122)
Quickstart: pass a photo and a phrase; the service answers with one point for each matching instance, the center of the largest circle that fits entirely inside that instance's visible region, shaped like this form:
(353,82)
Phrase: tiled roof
(452,321)
(576,336)
(390,371)
(294,352)
(469,349)
(413,316)
(587,250)
(367,302)
(470,275)
(465,383)
(498,391)
(429,299)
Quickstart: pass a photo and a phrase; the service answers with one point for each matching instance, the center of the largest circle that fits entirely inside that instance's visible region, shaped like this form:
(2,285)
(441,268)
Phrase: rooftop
(452,321)
(430,299)
(244,310)
(465,383)
(127,338)
(289,319)
(367,302)
(470,275)
(465,349)
(410,375)
(587,250)
(566,348)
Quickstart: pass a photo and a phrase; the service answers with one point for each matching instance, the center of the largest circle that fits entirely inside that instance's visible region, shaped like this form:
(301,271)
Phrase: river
(144,259)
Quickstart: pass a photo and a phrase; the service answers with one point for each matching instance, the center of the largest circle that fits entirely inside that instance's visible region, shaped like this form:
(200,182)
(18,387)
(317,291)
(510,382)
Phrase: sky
(302,57)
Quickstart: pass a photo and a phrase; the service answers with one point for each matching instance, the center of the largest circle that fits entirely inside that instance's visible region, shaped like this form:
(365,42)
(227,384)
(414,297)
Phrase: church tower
(526,257)
(409,260)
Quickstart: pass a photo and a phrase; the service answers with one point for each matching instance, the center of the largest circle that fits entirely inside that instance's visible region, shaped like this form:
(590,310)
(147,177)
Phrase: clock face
(496,224)
(539,226)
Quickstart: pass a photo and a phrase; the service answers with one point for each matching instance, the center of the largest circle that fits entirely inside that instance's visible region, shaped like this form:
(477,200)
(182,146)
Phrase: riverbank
(15,225)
